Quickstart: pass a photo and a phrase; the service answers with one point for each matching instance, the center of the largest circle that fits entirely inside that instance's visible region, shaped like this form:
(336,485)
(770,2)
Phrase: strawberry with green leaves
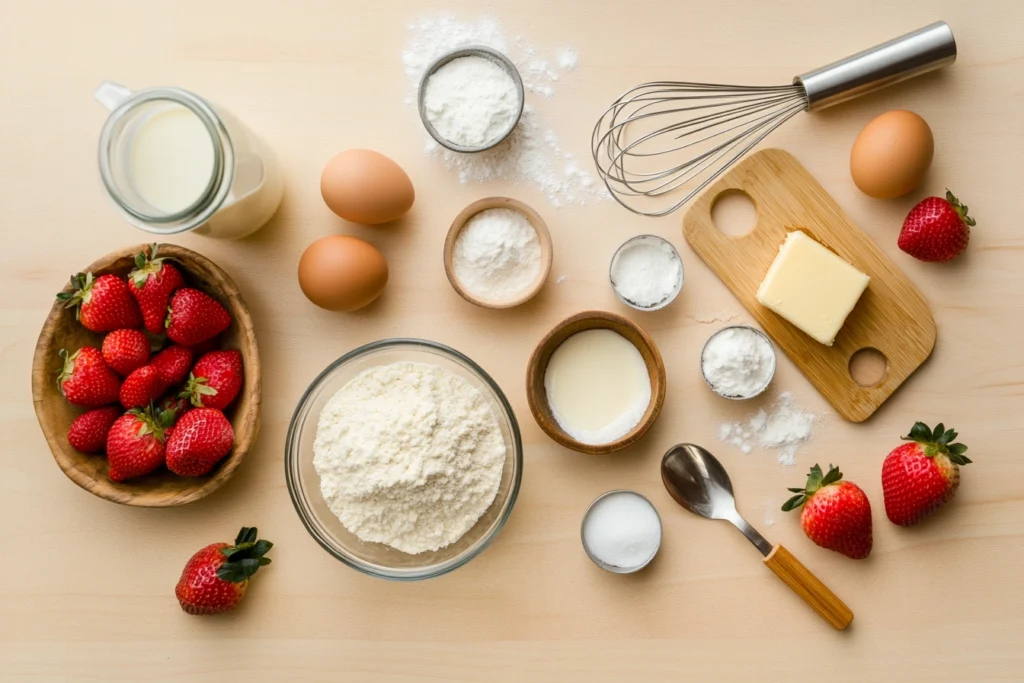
(936,229)
(194,317)
(152,283)
(921,476)
(136,443)
(86,380)
(177,405)
(836,514)
(215,380)
(101,304)
(216,578)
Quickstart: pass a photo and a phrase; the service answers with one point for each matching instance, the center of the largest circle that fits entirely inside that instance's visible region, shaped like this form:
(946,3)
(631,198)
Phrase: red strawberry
(85,380)
(142,387)
(836,514)
(88,433)
(151,283)
(201,438)
(177,405)
(102,304)
(195,317)
(936,229)
(215,578)
(215,380)
(125,350)
(920,477)
(173,364)
(135,444)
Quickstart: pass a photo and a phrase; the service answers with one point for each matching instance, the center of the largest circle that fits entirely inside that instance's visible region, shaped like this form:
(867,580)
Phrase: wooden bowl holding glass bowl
(537,396)
(61,331)
(543,236)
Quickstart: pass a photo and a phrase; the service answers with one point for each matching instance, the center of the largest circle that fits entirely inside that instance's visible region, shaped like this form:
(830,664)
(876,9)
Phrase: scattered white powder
(471,101)
(738,362)
(622,530)
(782,428)
(409,455)
(532,153)
(497,256)
(561,279)
(568,59)
(646,271)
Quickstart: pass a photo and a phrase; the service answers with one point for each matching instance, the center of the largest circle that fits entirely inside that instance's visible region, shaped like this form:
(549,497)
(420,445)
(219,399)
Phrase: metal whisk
(663,142)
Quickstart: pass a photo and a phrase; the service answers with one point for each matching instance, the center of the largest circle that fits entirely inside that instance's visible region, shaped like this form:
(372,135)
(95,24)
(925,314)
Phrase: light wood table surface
(86,586)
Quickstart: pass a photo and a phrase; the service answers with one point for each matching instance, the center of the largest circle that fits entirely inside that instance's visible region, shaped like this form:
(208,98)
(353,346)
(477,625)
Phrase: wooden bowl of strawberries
(146,377)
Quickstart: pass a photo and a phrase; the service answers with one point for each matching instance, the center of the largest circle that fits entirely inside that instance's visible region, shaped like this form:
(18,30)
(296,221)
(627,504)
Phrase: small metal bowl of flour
(621,532)
(471,99)
(497,253)
(646,273)
(738,362)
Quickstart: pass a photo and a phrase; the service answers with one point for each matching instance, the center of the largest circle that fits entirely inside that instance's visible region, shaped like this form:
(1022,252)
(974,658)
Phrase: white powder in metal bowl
(471,101)
(409,455)
(646,272)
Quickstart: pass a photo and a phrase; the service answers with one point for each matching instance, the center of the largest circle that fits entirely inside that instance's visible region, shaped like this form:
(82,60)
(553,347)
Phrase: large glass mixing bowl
(377,559)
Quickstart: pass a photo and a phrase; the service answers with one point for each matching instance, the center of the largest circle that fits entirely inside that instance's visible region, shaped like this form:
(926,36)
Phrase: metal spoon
(698,482)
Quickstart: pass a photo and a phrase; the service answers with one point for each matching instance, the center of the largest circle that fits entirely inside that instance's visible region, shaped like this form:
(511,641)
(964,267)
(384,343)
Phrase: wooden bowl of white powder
(403,459)
(498,253)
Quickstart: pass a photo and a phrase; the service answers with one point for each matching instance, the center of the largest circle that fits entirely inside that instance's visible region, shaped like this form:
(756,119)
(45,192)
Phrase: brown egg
(363,186)
(891,155)
(342,273)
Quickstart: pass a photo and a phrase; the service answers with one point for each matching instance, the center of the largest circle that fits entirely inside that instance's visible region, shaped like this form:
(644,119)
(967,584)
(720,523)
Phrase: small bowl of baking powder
(471,99)
(738,362)
(646,273)
(497,253)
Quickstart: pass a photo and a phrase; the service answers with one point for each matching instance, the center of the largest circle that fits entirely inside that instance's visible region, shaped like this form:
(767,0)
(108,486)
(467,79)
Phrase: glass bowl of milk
(173,162)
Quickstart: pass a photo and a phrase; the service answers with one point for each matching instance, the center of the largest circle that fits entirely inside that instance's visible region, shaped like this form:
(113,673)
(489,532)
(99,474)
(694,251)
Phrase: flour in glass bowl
(409,455)
(533,153)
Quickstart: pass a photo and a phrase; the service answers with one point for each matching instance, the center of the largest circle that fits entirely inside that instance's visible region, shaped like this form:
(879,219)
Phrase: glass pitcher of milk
(174,162)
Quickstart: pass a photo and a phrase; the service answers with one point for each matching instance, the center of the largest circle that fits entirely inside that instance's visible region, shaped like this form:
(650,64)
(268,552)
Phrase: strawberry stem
(815,481)
(961,209)
(243,559)
(938,440)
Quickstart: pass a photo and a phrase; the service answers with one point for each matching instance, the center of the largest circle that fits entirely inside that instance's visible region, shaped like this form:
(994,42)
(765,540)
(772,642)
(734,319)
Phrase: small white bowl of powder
(471,99)
(497,253)
(621,532)
(738,362)
(646,273)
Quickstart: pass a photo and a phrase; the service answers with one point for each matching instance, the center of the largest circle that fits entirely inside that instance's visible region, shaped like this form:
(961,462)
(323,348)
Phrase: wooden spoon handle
(809,587)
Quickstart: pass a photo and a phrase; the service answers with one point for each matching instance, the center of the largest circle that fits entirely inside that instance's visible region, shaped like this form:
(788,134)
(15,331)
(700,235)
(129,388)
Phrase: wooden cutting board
(891,317)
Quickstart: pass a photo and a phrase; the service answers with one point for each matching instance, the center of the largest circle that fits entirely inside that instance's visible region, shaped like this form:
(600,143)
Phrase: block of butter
(811,287)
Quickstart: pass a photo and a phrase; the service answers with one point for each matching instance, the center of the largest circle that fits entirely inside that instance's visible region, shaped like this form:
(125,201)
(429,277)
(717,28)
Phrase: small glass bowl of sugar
(621,531)
(646,273)
(738,362)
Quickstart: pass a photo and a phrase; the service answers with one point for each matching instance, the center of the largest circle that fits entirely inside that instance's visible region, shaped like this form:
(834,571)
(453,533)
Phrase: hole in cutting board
(733,213)
(868,367)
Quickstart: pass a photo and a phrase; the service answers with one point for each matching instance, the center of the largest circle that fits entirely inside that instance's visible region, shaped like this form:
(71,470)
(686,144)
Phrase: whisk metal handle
(915,53)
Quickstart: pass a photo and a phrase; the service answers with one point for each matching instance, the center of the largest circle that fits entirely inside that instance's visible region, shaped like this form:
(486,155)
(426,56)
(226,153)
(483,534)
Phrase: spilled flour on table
(783,428)
(533,153)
